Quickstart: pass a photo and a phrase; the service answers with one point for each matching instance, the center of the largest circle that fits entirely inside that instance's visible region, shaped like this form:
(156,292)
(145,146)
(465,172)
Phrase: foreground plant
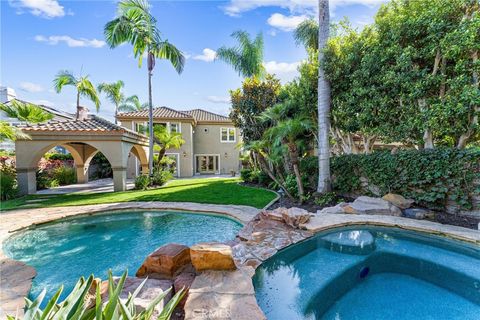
(75,304)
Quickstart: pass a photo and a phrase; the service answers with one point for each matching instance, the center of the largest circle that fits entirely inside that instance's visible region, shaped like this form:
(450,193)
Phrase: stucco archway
(83,139)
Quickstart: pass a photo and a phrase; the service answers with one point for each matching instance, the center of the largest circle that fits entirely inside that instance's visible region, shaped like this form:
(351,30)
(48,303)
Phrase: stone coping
(16,220)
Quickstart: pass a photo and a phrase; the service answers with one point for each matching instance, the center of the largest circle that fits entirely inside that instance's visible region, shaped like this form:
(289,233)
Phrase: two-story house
(211,140)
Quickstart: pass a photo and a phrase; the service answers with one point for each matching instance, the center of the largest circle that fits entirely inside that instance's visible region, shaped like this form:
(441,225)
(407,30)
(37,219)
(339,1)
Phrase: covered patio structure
(83,139)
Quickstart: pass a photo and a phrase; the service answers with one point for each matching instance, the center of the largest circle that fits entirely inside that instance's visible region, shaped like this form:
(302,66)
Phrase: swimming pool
(63,251)
(371,273)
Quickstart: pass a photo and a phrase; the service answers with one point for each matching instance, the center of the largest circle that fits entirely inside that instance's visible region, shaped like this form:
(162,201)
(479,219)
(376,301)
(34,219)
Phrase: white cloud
(281,67)
(218,99)
(207,56)
(285,23)
(236,7)
(30,87)
(71,42)
(42,8)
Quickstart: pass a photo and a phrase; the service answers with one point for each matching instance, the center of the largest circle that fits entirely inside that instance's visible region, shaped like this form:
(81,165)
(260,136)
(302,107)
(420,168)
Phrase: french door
(207,164)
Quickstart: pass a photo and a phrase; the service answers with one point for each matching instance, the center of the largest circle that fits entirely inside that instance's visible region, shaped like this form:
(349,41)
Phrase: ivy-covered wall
(437,179)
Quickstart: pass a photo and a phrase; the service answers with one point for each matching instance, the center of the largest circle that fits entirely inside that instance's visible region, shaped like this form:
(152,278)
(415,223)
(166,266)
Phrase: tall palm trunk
(78,104)
(324,180)
(151,64)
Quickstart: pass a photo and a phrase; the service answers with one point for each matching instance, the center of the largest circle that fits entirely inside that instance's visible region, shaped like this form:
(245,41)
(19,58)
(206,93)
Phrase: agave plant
(74,307)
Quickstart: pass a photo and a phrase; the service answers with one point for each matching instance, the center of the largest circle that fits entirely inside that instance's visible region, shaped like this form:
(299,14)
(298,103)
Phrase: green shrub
(58,156)
(8,182)
(245,174)
(64,175)
(325,199)
(77,304)
(255,176)
(430,177)
(264,179)
(161,177)
(142,182)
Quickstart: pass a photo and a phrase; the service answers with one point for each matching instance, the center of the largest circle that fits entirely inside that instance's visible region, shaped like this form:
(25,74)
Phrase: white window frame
(178,160)
(228,135)
(179,126)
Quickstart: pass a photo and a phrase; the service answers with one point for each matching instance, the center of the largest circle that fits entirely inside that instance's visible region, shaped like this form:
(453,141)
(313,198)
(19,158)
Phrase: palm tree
(306,34)
(324,101)
(287,131)
(131,104)
(247,57)
(166,140)
(9,132)
(135,24)
(25,112)
(83,85)
(113,91)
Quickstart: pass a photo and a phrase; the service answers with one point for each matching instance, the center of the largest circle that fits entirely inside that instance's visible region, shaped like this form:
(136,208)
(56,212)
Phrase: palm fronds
(247,57)
(306,34)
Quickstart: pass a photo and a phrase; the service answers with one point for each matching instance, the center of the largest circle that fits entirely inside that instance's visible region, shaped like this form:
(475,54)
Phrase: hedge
(430,177)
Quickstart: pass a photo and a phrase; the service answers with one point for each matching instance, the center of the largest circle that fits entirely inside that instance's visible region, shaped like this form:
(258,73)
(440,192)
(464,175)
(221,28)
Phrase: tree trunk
(264,165)
(78,104)
(150,125)
(324,179)
(427,133)
(292,149)
(116,113)
(462,141)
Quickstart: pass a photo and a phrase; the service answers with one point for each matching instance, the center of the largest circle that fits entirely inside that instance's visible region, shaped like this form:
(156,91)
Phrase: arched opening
(137,163)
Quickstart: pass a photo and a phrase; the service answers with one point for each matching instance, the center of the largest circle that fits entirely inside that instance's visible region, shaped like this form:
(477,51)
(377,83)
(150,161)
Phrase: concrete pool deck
(16,277)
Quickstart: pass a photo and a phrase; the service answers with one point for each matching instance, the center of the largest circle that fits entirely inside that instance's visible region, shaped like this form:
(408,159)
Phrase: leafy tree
(324,101)
(114,93)
(82,84)
(249,102)
(247,57)
(136,25)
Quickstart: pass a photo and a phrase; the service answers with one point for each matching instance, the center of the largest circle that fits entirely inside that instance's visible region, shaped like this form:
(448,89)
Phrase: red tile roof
(206,116)
(197,115)
(93,124)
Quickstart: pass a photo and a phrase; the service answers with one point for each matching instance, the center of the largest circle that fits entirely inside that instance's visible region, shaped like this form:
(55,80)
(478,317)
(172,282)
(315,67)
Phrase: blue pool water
(64,251)
(400,275)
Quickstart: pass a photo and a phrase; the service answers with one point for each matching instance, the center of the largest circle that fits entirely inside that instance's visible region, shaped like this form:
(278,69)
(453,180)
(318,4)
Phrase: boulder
(183,280)
(369,205)
(417,213)
(295,216)
(166,261)
(333,210)
(276,214)
(212,256)
(91,296)
(398,200)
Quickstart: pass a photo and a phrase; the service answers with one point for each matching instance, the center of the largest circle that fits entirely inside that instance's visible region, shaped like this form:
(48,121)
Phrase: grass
(214,191)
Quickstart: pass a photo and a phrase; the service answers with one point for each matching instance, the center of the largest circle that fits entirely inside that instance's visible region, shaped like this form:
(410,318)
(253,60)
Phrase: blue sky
(41,37)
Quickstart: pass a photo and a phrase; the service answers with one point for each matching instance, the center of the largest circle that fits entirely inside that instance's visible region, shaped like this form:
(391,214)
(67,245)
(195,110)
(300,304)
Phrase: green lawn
(215,191)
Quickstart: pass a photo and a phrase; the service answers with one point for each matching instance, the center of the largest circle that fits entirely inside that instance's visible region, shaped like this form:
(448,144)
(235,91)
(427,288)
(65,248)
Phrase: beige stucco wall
(203,139)
(207,141)
(185,153)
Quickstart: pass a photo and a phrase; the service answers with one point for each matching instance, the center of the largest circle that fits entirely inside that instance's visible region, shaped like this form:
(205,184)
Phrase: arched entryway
(83,139)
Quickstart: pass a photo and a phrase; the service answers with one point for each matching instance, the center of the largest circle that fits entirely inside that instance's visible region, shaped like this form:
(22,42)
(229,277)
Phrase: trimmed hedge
(430,177)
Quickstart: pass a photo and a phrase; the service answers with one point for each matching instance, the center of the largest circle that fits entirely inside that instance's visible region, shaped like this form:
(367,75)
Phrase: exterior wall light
(184,154)
(226,155)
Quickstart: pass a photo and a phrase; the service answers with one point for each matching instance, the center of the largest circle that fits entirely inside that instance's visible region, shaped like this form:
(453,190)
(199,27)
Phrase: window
(227,134)
(175,127)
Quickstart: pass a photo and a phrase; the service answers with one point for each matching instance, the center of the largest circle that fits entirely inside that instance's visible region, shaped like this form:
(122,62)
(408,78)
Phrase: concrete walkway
(96,186)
